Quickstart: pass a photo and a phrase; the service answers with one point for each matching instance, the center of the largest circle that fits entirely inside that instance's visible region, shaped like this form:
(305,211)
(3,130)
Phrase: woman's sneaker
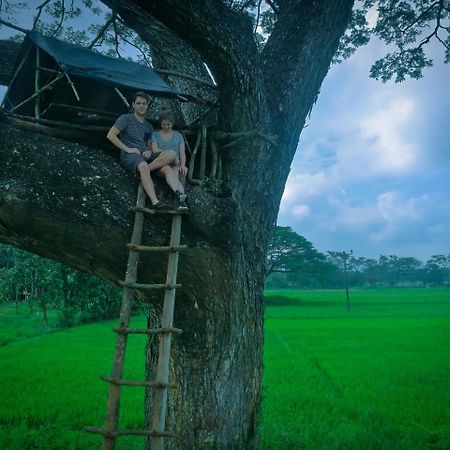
(182,197)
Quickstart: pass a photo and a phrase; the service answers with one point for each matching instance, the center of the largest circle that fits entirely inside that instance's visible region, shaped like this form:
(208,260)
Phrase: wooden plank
(72,85)
(57,123)
(37,73)
(155,384)
(115,434)
(85,109)
(19,68)
(112,413)
(203,153)
(122,97)
(144,433)
(129,284)
(144,248)
(160,396)
(148,330)
(160,211)
(44,88)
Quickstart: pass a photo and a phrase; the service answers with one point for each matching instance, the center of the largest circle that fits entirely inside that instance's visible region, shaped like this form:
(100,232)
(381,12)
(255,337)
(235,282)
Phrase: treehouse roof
(57,83)
(84,63)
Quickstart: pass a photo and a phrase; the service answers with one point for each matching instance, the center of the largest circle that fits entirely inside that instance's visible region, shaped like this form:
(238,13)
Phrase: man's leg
(147,182)
(164,158)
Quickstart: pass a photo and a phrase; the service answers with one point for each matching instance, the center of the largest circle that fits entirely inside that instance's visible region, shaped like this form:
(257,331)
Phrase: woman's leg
(171,176)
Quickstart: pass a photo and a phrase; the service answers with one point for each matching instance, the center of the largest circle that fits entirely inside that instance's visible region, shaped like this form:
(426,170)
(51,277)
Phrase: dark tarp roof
(82,62)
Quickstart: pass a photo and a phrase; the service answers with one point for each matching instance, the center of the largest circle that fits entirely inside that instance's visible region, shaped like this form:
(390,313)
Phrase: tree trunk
(43,304)
(78,200)
(8,52)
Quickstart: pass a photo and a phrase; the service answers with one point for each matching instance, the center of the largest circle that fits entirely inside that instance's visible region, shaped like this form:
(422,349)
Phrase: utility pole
(345,256)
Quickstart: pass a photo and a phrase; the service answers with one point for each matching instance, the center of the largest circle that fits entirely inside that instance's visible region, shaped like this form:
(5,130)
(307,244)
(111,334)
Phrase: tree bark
(70,203)
(8,52)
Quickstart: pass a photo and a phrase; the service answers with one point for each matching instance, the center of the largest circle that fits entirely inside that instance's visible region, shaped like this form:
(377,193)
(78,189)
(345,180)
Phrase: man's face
(140,106)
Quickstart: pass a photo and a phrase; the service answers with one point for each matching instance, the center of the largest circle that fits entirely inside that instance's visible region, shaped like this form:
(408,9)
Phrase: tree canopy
(406,26)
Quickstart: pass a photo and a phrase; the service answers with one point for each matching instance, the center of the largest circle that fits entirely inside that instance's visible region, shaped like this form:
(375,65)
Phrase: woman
(167,140)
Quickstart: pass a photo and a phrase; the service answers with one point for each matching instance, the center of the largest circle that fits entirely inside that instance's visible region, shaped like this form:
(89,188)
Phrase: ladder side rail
(113,405)
(160,395)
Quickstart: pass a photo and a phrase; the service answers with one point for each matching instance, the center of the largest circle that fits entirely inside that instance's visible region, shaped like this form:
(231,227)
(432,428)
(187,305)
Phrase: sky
(372,169)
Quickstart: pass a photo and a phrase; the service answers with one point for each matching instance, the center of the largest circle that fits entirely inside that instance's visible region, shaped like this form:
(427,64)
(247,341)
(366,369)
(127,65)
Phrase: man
(132,135)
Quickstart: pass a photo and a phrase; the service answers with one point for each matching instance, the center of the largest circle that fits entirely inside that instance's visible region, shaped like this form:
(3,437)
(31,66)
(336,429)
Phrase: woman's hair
(166,114)
(139,94)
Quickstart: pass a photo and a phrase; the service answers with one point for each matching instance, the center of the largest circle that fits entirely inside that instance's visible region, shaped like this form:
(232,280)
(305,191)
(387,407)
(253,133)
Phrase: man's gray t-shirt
(134,134)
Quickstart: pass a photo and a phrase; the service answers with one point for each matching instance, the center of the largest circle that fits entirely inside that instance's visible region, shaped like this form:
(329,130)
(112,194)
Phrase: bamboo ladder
(157,433)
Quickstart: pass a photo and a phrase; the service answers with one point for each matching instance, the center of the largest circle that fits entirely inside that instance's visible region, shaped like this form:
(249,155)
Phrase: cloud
(386,135)
(301,211)
(390,223)
(372,169)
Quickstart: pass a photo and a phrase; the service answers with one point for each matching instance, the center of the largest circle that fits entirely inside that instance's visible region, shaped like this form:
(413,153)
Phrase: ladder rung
(159,211)
(144,248)
(148,330)
(149,286)
(114,434)
(161,433)
(155,384)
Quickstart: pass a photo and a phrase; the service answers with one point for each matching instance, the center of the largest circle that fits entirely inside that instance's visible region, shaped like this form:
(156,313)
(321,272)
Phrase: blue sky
(372,170)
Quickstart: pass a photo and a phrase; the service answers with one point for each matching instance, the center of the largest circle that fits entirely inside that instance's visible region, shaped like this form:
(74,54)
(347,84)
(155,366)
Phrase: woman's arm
(183,168)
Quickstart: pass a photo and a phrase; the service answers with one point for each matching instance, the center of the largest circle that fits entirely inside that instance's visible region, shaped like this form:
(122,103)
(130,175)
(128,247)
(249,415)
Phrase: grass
(20,323)
(50,388)
(377,378)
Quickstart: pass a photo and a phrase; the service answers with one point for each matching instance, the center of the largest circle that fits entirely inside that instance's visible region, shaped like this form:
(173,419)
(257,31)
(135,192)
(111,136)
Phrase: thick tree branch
(250,134)
(187,77)
(14,27)
(222,37)
(40,9)
(274,7)
(51,190)
(296,56)
(102,30)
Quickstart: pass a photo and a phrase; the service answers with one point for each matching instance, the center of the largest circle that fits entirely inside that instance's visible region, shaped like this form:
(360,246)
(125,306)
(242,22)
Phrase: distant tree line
(44,284)
(294,262)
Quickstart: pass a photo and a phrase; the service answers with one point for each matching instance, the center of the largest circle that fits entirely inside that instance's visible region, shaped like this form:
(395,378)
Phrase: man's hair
(140,94)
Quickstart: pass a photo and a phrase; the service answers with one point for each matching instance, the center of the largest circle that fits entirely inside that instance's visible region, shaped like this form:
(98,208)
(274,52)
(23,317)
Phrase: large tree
(70,203)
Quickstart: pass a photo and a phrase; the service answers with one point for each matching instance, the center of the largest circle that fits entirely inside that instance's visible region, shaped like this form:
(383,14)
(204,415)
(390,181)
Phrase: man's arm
(113,136)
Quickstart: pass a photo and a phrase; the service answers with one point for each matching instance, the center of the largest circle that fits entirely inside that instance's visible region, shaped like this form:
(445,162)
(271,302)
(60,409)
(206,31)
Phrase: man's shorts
(130,161)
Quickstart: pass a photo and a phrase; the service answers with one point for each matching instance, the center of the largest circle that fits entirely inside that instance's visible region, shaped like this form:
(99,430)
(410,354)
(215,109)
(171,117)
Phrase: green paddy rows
(377,378)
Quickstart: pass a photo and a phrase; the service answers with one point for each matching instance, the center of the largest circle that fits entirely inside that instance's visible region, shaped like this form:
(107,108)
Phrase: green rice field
(375,378)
